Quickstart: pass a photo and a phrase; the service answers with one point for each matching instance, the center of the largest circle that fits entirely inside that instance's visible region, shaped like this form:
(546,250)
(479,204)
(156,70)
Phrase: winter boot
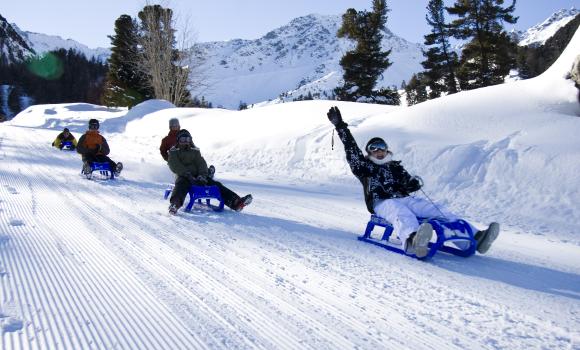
(87,168)
(486,237)
(418,242)
(118,169)
(240,203)
(173,209)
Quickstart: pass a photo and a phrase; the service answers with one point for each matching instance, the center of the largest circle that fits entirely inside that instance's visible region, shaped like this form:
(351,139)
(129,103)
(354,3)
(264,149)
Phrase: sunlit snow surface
(101,265)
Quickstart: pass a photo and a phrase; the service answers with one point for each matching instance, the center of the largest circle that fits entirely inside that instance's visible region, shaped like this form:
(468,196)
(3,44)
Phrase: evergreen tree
(416,89)
(441,61)
(489,56)
(365,64)
(125,84)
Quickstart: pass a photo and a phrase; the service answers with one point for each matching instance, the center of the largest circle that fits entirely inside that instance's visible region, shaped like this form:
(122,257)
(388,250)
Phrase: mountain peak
(538,34)
(13,47)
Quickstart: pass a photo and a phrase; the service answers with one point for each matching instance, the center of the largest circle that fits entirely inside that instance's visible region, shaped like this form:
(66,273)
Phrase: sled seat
(67,146)
(453,237)
(199,193)
(101,169)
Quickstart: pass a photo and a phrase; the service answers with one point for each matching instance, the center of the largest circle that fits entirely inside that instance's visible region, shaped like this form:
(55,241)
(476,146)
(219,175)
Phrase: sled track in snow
(100,304)
(110,269)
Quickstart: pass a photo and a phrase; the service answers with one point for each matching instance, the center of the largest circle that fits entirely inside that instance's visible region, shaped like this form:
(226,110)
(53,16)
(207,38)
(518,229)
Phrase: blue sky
(89,22)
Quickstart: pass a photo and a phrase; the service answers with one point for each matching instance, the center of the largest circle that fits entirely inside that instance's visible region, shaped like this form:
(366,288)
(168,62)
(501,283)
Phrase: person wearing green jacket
(189,167)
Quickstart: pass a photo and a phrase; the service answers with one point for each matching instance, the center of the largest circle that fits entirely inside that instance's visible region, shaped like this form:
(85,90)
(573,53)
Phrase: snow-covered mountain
(538,34)
(43,43)
(300,57)
(16,44)
(13,47)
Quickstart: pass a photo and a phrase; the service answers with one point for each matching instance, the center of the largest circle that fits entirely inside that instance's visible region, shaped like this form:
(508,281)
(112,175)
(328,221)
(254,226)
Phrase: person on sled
(387,191)
(94,148)
(186,162)
(64,136)
(171,140)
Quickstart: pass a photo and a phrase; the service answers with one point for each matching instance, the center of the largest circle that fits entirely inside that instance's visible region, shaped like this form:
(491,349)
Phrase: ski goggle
(377,146)
(185,139)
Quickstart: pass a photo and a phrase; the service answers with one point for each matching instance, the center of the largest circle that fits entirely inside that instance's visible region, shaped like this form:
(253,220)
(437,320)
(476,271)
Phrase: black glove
(189,177)
(334,116)
(414,184)
(202,180)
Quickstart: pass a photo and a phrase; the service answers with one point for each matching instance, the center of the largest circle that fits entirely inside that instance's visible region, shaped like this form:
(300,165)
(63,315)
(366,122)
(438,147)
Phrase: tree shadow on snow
(517,274)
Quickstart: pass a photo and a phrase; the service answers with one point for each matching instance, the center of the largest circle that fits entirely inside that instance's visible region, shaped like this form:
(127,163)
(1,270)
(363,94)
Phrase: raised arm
(359,165)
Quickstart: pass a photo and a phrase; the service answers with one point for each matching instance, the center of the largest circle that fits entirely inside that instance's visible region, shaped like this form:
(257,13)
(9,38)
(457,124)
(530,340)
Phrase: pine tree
(441,61)
(125,84)
(416,89)
(365,64)
(487,58)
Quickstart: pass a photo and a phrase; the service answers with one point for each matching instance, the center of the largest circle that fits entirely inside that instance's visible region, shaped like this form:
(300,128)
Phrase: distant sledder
(193,178)
(94,150)
(387,190)
(65,141)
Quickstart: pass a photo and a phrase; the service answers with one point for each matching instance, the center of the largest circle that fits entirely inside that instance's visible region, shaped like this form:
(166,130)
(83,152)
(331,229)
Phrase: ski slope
(101,265)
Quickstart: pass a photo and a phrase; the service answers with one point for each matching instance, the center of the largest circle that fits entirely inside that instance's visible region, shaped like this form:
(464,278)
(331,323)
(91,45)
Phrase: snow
(96,264)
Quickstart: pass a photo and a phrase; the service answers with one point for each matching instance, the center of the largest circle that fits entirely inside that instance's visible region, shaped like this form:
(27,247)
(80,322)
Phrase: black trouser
(182,185)
(100,158)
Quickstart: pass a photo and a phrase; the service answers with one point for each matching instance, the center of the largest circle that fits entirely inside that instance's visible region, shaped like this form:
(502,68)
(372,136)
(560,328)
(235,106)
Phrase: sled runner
(67,146)
(99,171)
(457,233)
(198,193)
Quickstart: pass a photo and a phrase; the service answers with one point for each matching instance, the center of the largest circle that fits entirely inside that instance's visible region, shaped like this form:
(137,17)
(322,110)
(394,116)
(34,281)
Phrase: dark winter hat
(376,143)
(66,130)
(173,122)
(184,136)
(93,124)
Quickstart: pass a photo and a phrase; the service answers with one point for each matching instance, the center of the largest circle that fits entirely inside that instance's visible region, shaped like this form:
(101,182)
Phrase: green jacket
(182,161)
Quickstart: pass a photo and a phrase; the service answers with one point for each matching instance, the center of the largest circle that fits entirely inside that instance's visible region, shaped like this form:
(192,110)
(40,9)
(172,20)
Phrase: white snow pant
(402,214)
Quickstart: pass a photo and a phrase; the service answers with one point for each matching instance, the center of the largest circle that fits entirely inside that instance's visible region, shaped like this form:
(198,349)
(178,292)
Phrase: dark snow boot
(418,242)
(87,168)
(118,169)
(173,209)
(486,237)
(240,203)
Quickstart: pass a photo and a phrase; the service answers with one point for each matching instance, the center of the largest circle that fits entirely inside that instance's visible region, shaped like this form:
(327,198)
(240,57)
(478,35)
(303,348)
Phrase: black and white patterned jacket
(389,180)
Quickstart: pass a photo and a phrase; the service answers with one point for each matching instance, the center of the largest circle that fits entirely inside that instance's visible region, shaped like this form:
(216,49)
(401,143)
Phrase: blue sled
(439,225)
(197,193)
(102,169)
(67,146)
